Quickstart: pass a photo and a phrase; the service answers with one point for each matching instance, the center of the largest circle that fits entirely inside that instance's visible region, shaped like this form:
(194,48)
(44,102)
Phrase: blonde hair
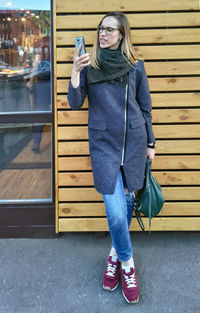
(127,49)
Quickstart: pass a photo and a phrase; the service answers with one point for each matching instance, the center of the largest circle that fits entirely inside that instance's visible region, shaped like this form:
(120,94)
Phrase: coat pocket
(136,123)
(97,124)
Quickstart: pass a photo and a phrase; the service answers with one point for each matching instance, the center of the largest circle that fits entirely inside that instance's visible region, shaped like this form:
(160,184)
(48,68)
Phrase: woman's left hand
(150,154)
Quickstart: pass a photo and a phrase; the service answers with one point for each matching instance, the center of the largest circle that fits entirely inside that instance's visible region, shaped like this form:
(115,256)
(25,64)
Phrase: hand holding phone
(81,60)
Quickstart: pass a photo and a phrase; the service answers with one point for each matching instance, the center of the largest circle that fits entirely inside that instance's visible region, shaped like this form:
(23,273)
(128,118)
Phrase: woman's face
(110,41)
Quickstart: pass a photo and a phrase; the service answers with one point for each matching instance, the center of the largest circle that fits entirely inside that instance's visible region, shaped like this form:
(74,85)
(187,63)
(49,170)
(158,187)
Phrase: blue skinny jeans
(119,211)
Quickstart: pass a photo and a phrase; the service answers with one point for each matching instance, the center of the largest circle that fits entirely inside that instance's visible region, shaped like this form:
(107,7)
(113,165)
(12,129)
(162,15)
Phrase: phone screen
(80,41)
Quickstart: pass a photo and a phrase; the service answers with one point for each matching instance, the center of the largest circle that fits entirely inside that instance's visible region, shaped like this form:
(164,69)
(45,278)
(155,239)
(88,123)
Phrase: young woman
(120,136)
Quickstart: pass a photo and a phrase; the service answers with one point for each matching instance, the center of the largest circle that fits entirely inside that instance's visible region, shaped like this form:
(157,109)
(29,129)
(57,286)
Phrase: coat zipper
(125,120)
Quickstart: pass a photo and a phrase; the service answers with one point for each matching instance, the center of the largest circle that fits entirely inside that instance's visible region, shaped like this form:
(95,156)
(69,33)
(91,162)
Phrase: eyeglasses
(108,30)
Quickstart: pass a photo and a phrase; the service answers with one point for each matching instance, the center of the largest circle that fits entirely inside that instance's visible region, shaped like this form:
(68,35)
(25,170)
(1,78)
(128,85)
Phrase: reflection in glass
(25,161)
(25,60)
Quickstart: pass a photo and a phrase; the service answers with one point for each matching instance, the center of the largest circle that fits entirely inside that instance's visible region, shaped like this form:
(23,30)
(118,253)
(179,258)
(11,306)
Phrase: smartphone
(80,41)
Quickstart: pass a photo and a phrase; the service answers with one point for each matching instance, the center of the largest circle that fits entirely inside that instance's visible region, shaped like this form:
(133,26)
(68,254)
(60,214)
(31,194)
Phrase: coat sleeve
(76,96)
(143,98)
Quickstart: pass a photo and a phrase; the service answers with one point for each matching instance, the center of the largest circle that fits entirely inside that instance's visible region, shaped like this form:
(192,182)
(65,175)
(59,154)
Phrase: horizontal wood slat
(75,179)
(79,163)
(81,209)
(138,36)
(136,20)
(161,100)
(155,84)
(160,131)
(62,102)
(126,5)
(158,224)
(172,162)
(98,209)
(152,68)
(90,194)
(176,116)
(158,116)
(163,147)
(147,52)
(165,178)
(174,84)
(73,148)
(176,131)
(72,117)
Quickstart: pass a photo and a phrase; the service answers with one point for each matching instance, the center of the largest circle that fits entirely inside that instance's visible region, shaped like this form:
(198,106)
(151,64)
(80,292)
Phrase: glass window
(25,65)
(25,161)
(25,84)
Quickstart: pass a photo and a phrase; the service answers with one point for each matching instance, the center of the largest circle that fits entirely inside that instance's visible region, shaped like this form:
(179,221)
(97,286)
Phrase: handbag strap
(148,174)
(147,182)
(139,219)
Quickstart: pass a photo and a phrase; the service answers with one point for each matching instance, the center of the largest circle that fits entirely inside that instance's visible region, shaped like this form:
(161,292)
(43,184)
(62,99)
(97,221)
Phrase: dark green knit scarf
(113,67)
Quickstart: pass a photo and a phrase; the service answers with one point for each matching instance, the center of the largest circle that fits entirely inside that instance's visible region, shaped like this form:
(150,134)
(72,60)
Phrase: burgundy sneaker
(111,275)
(130,287)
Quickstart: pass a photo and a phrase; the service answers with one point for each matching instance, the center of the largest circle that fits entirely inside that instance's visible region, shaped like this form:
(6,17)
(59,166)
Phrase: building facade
(46,183)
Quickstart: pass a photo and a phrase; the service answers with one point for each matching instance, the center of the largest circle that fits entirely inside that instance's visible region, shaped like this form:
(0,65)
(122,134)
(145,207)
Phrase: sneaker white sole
(135,301)
(108,288)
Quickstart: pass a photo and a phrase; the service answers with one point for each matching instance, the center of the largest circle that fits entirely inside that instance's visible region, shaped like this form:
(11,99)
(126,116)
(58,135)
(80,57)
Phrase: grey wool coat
(119,127)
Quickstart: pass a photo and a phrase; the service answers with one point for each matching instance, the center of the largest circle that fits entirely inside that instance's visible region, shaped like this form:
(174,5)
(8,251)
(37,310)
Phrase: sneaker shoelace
(111,269)
(130,280)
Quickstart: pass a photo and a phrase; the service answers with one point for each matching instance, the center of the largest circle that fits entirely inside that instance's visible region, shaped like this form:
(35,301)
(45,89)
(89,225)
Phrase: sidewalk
(64,274)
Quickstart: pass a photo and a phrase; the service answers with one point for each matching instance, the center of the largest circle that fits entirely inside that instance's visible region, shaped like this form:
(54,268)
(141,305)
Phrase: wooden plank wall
(167,33)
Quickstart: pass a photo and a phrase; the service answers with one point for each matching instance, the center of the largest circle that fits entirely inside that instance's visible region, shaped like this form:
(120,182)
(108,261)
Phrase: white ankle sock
(127,268)
(114,258)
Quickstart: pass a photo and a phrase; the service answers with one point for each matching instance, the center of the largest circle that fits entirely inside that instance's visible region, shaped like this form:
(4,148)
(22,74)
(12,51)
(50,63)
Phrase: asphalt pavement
(64,274)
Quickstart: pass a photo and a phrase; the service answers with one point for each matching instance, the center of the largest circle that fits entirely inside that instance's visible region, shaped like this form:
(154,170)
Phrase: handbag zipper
(125,120)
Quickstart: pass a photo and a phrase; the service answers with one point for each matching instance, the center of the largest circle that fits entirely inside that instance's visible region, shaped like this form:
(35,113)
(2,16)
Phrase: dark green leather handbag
(150,199)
